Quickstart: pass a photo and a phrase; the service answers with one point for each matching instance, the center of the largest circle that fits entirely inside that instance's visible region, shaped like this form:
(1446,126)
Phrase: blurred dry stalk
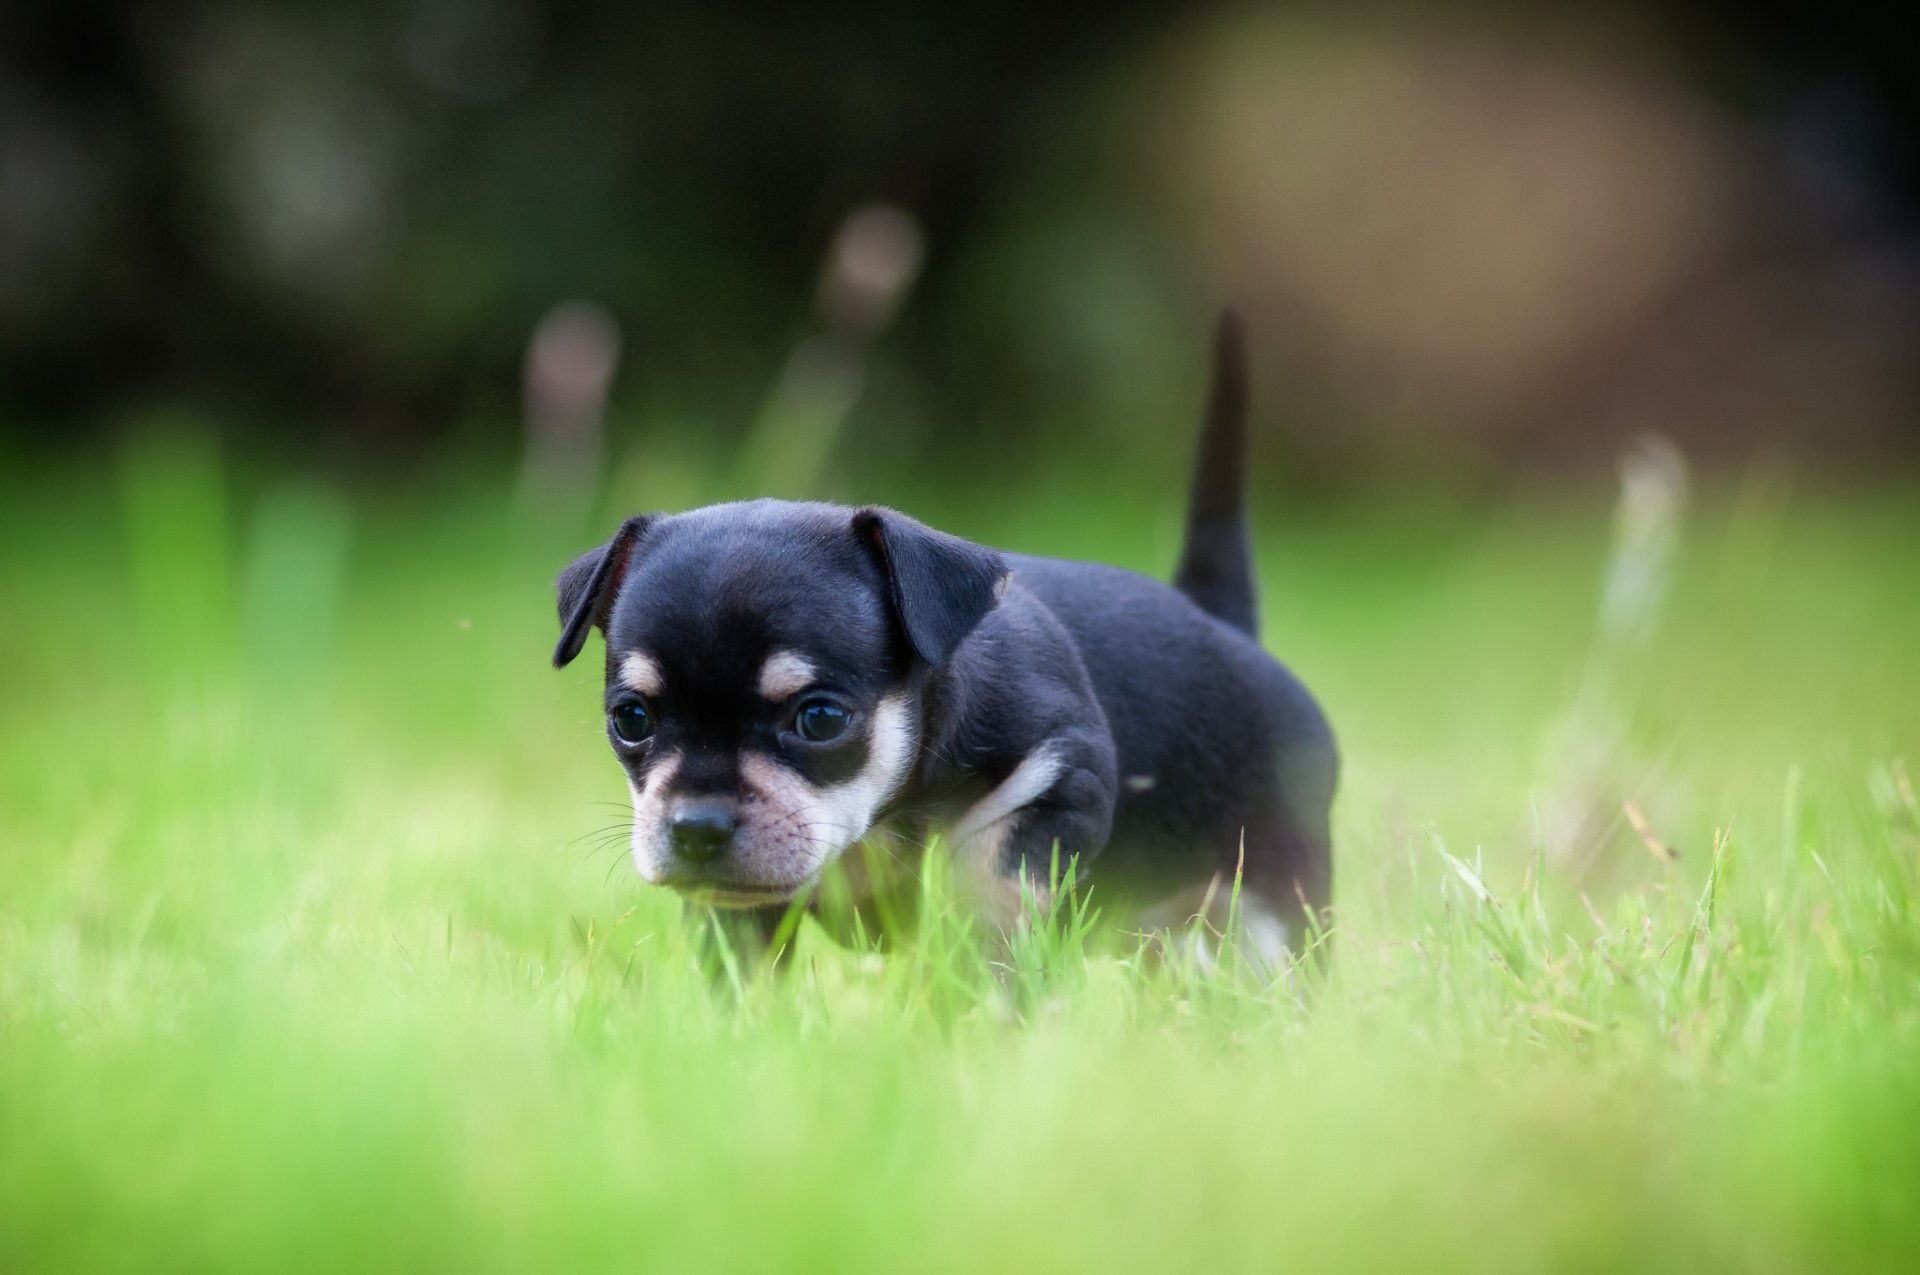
(873,260)
(571,359)
(1593,775)
(294,576)
(175,498)
(1528,235)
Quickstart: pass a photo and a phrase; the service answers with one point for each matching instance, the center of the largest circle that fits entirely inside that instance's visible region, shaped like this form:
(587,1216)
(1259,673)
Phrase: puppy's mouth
(721,892)
(736,899)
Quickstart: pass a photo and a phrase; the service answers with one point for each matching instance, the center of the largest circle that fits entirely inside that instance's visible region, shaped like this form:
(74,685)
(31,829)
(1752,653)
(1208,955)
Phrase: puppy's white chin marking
(640,674)
(785,674)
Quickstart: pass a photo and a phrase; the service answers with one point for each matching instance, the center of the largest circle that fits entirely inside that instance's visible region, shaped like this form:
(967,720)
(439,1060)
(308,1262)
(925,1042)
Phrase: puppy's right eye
(632,724)
(819,720)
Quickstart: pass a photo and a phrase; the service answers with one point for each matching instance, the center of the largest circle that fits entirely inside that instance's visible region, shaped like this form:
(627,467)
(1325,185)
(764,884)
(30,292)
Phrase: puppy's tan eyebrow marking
(785,673)
(640,673)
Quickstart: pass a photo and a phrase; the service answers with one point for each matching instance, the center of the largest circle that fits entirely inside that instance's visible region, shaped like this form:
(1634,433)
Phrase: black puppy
(785,681)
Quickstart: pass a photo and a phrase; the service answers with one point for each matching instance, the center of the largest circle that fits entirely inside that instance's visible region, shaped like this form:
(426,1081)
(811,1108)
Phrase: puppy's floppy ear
(587,587)
(940,585)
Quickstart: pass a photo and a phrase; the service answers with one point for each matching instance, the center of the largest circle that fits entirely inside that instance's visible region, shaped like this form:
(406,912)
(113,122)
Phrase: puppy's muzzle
(702,831)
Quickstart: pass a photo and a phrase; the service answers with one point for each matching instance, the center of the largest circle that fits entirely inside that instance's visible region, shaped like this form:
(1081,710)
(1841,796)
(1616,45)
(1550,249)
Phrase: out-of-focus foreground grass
(311,953)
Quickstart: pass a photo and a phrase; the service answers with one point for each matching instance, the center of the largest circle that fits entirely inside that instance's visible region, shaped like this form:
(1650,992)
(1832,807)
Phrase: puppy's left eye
(632,723)
(819,720)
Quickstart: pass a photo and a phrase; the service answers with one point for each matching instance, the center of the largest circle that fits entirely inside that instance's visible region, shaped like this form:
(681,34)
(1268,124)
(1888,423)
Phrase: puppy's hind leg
(1209,926)
(1244,920)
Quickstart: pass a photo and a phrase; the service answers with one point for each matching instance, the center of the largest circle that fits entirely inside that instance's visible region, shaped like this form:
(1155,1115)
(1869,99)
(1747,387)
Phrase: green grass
(310,955)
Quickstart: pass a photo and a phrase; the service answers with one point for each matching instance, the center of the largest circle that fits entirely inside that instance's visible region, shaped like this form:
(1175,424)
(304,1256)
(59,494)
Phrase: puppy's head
(763,667)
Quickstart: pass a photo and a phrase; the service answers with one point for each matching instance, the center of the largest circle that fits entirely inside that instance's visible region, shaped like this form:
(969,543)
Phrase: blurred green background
(1587,412)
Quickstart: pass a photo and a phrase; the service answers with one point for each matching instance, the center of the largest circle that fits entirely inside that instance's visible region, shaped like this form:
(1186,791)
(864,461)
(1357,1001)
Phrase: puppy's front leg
(1060,795)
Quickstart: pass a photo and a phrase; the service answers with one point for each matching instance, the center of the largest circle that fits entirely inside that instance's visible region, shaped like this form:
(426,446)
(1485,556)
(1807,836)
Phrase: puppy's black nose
(702,831)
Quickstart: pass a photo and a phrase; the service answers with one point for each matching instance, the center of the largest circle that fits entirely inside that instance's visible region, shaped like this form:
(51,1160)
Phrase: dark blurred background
(1482,239)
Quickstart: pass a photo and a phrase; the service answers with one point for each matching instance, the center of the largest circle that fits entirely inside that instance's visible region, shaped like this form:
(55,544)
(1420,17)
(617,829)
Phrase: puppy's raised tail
(1216,566)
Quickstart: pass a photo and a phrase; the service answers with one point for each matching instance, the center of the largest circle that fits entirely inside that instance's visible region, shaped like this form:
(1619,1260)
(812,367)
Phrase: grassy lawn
(317,948)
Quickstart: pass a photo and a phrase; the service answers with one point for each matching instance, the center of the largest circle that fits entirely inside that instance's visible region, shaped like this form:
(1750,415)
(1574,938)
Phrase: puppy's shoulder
(1021,648)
